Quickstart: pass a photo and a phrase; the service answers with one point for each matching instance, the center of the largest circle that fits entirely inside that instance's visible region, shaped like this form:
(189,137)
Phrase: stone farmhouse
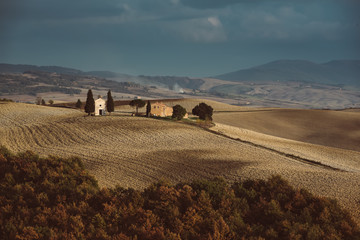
(159,109)
(100,106)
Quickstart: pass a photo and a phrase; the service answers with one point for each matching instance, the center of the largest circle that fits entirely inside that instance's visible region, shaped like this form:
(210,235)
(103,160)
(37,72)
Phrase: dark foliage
(55,198)
(178,112)
(43,102)
(148,108)
(109,103)
(204,111)
(78,104)
(137,103)
(90,103)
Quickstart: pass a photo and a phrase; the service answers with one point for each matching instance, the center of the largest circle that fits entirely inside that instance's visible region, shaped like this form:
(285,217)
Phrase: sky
(176,37)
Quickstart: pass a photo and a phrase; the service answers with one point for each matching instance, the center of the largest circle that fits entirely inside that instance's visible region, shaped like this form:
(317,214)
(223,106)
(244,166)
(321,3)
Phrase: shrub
(55,198)
(78,104)
(178,112)
(204,111)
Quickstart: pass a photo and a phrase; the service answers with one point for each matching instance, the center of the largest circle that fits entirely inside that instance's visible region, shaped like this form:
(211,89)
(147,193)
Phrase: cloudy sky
(176,37)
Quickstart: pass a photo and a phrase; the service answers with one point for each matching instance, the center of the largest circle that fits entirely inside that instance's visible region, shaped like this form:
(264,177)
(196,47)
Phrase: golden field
(340,129)
(135,151)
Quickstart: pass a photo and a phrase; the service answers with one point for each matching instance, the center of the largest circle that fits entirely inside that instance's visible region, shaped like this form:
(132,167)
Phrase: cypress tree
(43,102)
(148,109)
(90,103)
(78,104)
(109,103)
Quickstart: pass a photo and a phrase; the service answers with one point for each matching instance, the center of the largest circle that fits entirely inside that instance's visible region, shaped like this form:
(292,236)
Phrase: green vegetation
(109,103)
(55,198)
(137,103)
(178,112)
(204,111)
(90,103)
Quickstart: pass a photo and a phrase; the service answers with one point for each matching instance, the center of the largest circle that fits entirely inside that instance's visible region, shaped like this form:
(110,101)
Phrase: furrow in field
(134,152)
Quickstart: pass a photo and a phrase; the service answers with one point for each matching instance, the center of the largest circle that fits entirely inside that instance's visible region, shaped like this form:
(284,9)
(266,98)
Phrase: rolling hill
(340,72)
(135,151)
(284,83)
(336,129)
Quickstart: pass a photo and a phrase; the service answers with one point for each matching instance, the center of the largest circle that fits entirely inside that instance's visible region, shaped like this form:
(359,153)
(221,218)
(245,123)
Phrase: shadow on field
(186,165)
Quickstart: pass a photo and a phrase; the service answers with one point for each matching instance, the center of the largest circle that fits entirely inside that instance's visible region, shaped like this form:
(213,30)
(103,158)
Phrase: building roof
(159,104)
(99,100)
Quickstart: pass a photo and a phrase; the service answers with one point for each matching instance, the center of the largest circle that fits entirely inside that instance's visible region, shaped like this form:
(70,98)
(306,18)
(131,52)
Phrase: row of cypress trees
(90,103)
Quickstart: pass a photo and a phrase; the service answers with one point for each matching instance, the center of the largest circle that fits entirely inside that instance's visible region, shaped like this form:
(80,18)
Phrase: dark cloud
(206,4)
(191,37)
(65,9)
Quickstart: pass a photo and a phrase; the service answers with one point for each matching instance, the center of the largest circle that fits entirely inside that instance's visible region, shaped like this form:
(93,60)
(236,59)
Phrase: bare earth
(133,151)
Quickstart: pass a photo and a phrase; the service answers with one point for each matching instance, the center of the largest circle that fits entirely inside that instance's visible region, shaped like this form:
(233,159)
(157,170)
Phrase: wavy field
(340,129)
(134,151)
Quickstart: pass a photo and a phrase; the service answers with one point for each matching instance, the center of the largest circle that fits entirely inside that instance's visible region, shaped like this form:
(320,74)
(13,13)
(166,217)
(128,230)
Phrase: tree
(38,100)
(178,112)
(90,103)
(109,103)
(78,104)
(43,102)
(204,111)
(138,103)
(148,108)
(51,102)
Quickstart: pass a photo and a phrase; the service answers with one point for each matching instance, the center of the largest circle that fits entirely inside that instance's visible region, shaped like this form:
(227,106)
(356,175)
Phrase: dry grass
(129,151)
(133,152)
(325,127)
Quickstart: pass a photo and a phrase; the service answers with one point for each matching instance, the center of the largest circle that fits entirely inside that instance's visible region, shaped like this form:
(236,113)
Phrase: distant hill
(33,82)
(171,81)
(20,68)
(346,72)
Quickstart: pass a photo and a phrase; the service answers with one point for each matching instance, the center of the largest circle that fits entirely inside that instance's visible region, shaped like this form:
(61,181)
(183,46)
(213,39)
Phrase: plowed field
(135,151)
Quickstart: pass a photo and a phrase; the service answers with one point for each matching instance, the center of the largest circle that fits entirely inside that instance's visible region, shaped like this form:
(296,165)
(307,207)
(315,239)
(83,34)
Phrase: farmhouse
(100,106)
(159,109)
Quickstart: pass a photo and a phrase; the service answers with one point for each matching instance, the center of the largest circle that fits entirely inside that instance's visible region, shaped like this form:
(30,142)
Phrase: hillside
(324,127)
(339,72)
(286,84)
(133,151)
(29,85)
(20,68)
(56,198)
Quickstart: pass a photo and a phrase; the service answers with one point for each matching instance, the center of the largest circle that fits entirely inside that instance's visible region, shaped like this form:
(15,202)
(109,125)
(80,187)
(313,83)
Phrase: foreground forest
(42,198)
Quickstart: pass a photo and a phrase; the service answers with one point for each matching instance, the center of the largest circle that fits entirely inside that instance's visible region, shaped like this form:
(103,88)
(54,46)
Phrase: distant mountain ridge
(345,72)
(20,68)
(170,81)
